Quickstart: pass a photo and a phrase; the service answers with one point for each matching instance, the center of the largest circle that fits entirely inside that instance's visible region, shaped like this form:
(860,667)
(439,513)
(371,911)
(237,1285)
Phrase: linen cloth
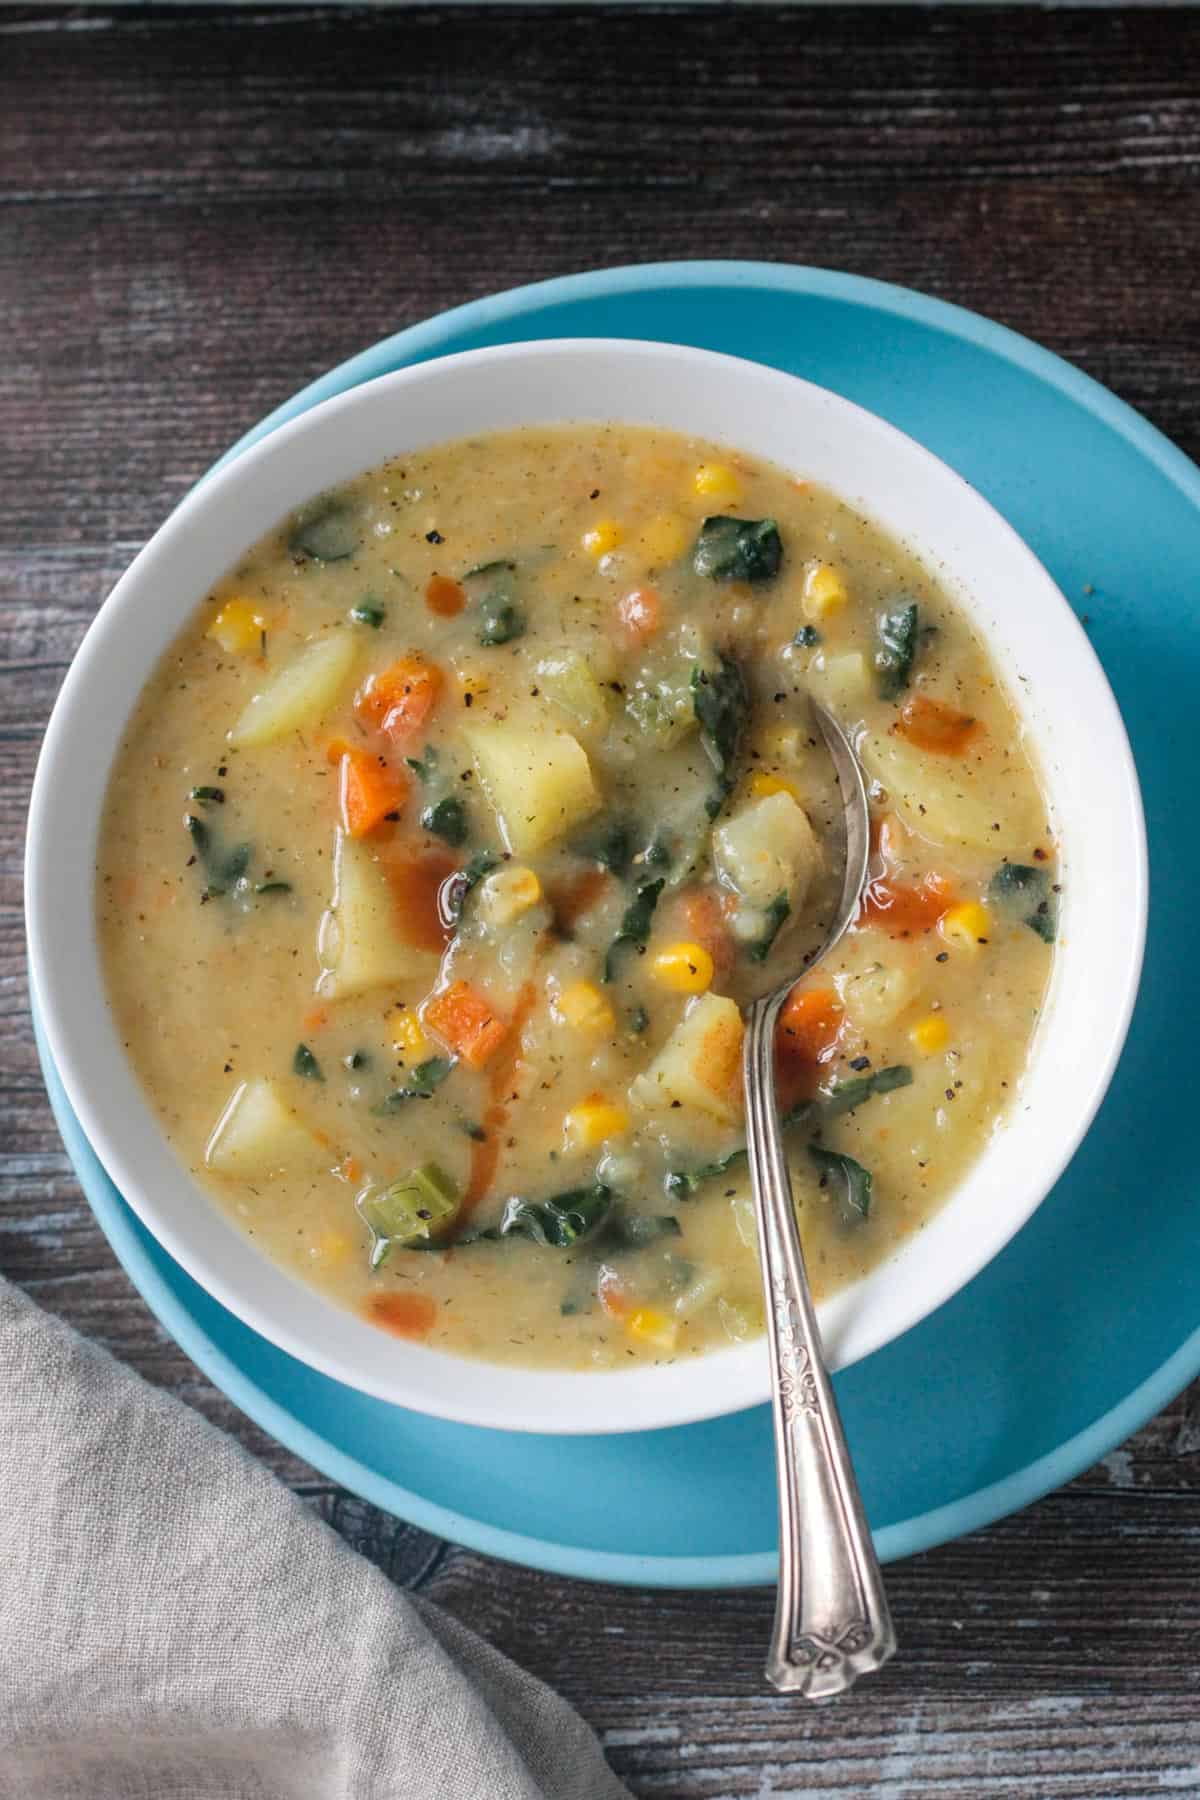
(175,1625)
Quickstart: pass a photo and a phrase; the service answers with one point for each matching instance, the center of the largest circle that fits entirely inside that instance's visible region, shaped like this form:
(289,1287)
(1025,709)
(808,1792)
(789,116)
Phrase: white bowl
(1066,705)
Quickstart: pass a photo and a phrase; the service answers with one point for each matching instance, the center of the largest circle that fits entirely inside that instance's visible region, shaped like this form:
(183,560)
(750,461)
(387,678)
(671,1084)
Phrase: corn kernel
(718,483)
(663,539)
(238,627)
(683,968)
(582,1005)
(332,1247)
(966,926)
(408,1038)
(824,591)
(930,1034)
(593,1122)
(653,1327)
(762,785)
(601,538)
(508,894)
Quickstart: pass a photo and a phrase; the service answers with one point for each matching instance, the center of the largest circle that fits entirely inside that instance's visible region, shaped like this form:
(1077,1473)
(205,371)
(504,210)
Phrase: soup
(449,839)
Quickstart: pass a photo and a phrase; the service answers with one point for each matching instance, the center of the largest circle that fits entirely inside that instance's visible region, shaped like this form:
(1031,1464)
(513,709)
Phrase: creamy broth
(450,836)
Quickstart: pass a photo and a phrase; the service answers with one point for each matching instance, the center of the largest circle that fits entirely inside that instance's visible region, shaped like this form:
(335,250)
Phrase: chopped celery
(661,707)
(410,1210)
(568,681)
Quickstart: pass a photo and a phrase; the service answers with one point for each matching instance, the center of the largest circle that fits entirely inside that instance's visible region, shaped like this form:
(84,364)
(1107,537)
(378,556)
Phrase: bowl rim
(84,1093)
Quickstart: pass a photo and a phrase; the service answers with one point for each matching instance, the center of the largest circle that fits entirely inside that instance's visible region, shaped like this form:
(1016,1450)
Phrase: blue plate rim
(902,1538)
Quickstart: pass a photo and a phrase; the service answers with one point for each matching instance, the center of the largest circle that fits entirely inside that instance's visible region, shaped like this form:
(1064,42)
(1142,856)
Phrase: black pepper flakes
(434,537)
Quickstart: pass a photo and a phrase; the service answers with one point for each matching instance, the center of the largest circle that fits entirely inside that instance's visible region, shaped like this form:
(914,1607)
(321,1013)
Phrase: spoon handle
(832,1622)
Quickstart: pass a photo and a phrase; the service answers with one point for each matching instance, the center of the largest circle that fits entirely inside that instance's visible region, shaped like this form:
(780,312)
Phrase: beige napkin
(175,1625)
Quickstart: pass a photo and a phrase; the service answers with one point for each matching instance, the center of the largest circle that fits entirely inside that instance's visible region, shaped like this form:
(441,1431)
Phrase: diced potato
(877,980)
(257,1134)
(300,693)
(768,848)
(664,708)
(842,682)
(537,779)
(360,945)
(569,682)
(952,800)
(700,1063)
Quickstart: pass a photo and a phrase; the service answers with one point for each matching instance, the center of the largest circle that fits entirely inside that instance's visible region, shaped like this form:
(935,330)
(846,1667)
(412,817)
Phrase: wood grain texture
(199,211)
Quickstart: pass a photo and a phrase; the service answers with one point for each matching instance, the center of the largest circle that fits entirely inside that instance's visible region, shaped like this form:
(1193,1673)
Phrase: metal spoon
(832,1622)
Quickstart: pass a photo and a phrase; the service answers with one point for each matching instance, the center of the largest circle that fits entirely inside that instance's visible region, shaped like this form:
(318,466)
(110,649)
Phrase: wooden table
(203,209)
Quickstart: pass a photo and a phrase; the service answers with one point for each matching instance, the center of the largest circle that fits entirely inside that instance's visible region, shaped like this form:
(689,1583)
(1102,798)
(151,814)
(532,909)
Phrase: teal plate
(1087,1323)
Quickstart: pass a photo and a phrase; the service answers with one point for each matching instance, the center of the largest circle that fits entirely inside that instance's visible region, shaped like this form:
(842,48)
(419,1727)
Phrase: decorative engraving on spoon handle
(832,1622)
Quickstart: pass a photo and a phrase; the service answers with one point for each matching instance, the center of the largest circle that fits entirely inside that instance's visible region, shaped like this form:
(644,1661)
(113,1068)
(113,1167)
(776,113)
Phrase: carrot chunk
(398,700)
(465,1021)
(904,911)
(805,1039)
(612,1294)
(640,614)
(404,1315)
(369,789)
(444,597)
(810,1023)
(930,725)
(503,1078)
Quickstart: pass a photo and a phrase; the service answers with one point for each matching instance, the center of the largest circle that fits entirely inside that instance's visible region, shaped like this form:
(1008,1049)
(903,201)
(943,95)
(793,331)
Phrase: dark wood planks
(200,210)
